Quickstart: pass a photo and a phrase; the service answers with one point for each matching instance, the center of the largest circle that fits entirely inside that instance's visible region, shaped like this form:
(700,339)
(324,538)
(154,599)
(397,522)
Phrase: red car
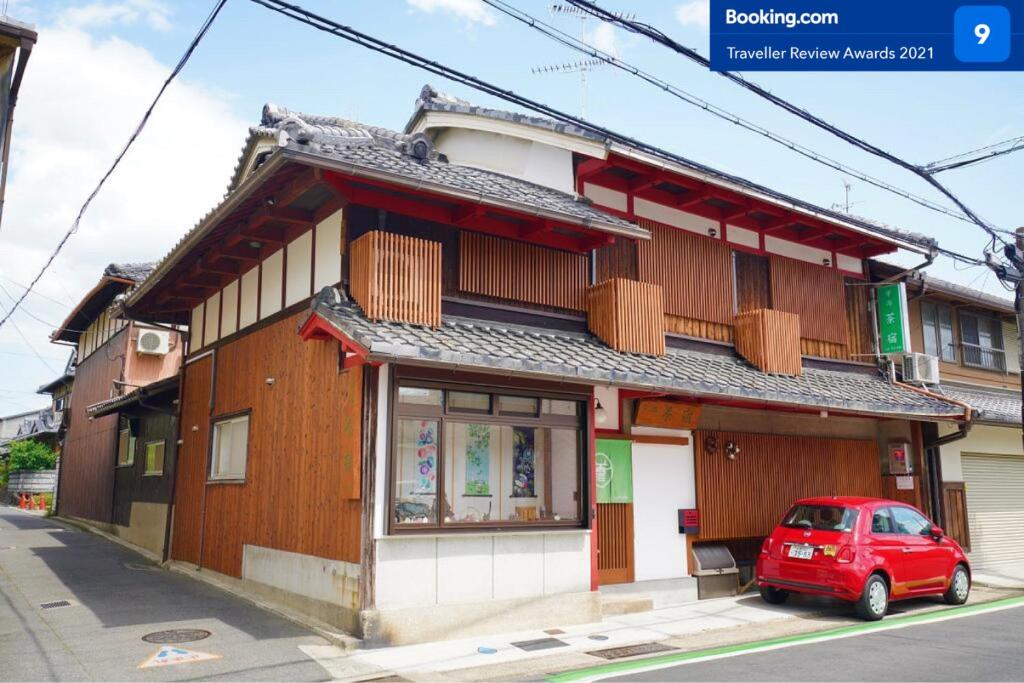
(864,550)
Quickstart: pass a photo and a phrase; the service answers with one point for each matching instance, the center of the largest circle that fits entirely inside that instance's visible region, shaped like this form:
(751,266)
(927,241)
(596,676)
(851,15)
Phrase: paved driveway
(116,598)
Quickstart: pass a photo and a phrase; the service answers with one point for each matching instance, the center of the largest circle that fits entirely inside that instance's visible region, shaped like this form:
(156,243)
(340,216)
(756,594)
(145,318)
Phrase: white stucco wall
(982,439)
(527,159)
(319,578)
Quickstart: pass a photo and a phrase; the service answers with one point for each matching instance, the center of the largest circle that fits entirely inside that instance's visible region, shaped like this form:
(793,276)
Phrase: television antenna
(583,66)
(845,206)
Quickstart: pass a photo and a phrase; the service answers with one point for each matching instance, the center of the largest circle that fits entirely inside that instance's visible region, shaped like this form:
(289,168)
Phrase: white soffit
(742,236)
(444,119)
(645,208)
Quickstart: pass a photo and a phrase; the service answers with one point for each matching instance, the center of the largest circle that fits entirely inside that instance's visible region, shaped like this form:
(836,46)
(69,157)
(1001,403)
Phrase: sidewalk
(1008,575)
(708,623)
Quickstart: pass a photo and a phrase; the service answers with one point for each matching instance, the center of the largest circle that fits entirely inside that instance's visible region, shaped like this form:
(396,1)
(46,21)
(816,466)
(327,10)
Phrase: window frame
(896,526)
(214,421)
(444,415)
(131,426)
(994,351)
(887,511)
(146,472)
(956,332)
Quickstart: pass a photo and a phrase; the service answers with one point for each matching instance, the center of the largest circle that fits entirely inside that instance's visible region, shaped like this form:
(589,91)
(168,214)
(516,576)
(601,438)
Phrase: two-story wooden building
(452,380)
(102,452)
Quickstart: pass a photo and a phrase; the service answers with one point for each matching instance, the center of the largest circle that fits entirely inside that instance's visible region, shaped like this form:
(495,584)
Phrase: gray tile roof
(430,99)
(468,343)
(996,405)
(136,272)
(414,159)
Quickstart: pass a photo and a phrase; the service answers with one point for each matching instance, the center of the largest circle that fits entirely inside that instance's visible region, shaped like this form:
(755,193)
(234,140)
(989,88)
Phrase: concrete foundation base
(447,622)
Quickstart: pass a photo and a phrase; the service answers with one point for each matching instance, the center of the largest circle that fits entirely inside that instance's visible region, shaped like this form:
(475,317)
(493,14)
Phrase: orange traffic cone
(21,501)
(41,503)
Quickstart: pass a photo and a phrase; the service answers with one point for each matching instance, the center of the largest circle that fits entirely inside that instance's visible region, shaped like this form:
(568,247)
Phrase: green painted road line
(678,657)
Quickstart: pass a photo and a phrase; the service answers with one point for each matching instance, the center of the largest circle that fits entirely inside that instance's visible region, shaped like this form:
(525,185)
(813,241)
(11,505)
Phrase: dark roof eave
(110,406)
(64,332)
(359,171)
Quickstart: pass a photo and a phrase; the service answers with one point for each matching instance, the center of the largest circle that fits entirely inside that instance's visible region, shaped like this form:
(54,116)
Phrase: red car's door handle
(908,550)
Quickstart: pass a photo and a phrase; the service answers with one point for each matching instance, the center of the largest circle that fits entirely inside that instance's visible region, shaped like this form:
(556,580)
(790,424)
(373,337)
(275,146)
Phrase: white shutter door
(995,507)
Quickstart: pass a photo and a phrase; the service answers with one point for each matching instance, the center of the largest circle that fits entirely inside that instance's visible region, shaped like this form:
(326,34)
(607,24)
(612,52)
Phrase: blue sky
(99,62)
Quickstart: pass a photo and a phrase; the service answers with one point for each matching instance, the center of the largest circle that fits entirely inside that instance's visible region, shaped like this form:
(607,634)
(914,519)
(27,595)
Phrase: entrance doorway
(615,559)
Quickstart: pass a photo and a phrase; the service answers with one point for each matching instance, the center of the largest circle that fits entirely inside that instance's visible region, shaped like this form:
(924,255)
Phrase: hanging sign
(893,324)
(614,464)
(669,414)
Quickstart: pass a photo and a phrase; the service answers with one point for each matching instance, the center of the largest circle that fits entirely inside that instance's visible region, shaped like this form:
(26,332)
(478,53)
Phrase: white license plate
(801,552)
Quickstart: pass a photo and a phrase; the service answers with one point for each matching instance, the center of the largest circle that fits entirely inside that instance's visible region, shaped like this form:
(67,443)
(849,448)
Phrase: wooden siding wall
(88,458)
(301,474)
(505,269)
(190,470)
(747,497)
(627,315)
(859,322)
(695,272)
(770,340)
(954,512)
(131,483)
(753,283)
(698,328)
(618,259)
(814,293)
(394,277)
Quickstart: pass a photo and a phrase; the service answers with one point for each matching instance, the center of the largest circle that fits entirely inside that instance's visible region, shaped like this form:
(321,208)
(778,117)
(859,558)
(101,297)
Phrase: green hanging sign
(893,324)
(614,460)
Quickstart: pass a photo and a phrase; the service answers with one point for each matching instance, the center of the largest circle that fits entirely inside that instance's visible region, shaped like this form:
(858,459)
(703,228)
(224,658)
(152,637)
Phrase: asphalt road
(983,647)
(115,599)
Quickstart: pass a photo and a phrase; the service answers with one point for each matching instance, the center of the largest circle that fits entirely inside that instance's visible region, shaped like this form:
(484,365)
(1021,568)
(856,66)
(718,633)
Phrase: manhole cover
(598,637)
(140,567)
(178,635)
(631,650)
(540,644)
(54,604)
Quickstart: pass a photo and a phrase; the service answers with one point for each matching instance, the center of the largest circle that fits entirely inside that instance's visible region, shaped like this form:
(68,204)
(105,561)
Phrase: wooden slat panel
(859,323)
(302,487)
(753,285)
(506,269)
(698,328)
(627,315)
(912,496)
(190,468)
(396,277)
(770,340)
(954,512)
(694,271)
(618,259)
(822,349)
(88,458)
(747,497)
(815,293)
(615,543)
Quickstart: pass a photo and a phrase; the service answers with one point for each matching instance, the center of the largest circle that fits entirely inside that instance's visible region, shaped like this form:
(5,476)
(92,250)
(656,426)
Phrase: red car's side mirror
(935,532)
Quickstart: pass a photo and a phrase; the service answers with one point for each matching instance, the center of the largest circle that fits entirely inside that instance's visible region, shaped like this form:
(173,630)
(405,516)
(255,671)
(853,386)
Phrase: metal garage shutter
(995,507)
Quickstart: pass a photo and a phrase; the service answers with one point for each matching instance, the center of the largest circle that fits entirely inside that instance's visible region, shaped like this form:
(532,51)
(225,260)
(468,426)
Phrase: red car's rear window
(821,517)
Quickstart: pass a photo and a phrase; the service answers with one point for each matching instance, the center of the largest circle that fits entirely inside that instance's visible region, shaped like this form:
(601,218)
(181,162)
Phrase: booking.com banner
(867,35)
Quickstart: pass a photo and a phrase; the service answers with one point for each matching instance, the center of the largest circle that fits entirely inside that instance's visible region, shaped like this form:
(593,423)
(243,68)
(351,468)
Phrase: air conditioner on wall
(153,342)
(920,368)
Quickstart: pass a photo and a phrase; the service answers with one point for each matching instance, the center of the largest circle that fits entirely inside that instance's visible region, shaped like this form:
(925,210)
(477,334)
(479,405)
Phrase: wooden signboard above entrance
(668,414)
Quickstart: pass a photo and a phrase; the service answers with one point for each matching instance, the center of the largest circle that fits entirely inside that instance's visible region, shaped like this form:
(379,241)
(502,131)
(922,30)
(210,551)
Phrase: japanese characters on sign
(893,325)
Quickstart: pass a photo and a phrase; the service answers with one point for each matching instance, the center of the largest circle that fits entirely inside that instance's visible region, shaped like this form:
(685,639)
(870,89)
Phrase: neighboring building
(431,391)
(113,356)
(16,426)
(980,476)
(59,391)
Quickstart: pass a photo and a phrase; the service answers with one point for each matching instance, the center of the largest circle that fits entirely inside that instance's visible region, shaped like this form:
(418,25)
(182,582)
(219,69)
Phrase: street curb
(344,641)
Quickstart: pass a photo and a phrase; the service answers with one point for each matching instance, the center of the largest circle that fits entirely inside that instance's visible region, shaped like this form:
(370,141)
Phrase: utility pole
(1018,306)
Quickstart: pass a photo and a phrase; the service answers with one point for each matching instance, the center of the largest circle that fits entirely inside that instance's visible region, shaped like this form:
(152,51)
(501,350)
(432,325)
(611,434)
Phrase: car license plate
(801,552)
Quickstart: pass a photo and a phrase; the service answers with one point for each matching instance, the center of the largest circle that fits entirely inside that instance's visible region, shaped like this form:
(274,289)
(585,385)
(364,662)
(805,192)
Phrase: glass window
(523,406)
(821,517)
(519,465)
(415,472)
(937,321)
(881,522)
(230,448)
(909,521)
(126,443)
(154,457)
(466,402)
(982,339)
(420,396)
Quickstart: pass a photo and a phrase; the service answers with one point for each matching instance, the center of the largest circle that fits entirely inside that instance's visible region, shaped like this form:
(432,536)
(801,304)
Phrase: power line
(37,293)
(569,41)
(29,344)
(117,160)
(357,37)
(26,311)
(657,36)
(974,156)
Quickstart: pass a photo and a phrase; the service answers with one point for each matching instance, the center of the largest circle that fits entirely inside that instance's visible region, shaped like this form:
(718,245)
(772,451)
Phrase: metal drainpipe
(593,266)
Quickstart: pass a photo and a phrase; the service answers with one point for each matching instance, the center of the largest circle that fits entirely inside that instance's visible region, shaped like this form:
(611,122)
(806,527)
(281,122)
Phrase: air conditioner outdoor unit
(154,342)
(920,368)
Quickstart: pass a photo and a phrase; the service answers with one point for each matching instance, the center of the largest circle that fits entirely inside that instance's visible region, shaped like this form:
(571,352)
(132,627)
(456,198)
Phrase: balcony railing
(395,277)
(770,340)
(628,315)
(987,357)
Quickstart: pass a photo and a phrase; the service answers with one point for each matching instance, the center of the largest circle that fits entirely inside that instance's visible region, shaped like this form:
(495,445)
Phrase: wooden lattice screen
(770,340)
(628,315)
(395,277)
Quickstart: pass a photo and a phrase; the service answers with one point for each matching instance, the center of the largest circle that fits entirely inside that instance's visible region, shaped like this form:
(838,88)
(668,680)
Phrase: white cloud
(694,13)
(80,99)
(470,11)
(155,14)
(604,38)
